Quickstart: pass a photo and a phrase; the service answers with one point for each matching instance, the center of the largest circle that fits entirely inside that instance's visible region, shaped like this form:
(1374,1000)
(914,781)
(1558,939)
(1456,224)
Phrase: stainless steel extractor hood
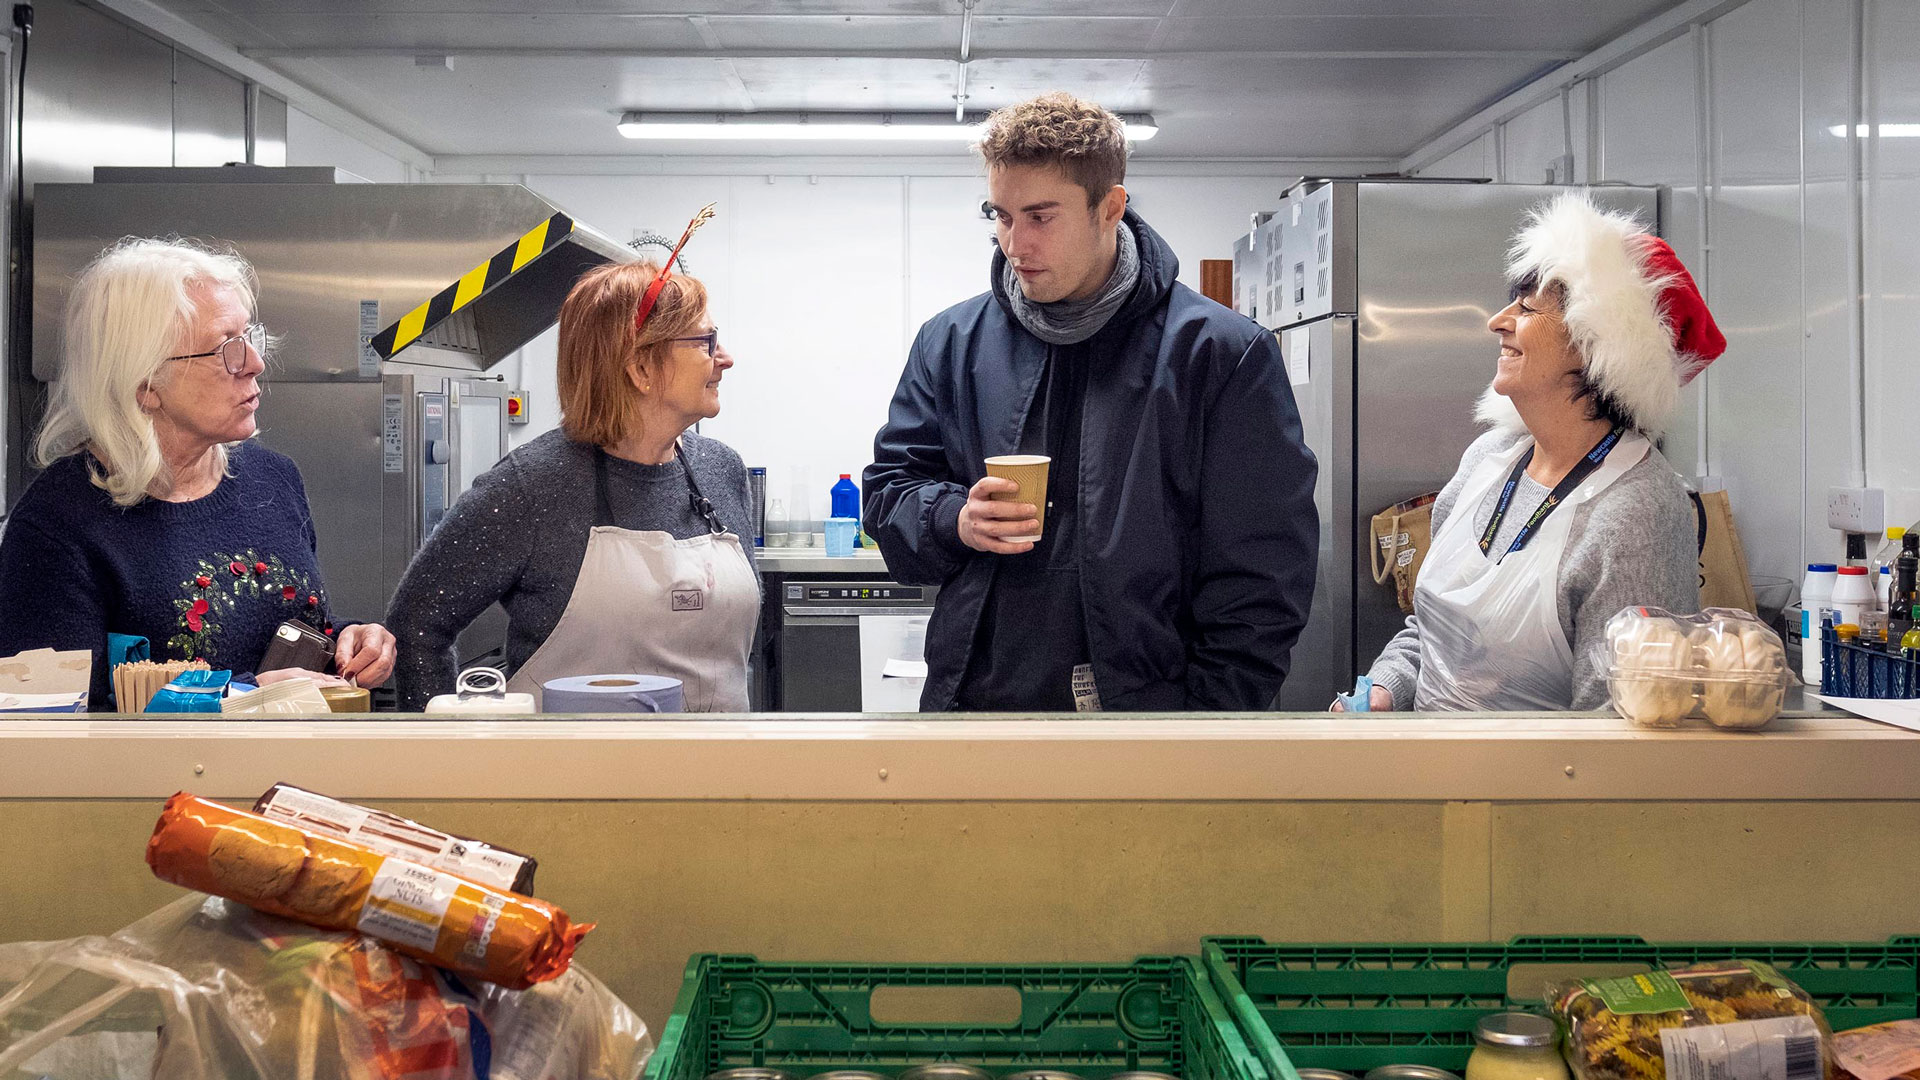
(502,303)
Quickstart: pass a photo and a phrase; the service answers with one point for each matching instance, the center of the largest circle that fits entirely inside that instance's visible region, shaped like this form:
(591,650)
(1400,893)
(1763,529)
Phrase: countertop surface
(1139,757)
(813,560)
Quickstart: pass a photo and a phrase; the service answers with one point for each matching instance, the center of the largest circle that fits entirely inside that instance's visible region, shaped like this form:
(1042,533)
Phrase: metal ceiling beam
(1636,42)
(518,52)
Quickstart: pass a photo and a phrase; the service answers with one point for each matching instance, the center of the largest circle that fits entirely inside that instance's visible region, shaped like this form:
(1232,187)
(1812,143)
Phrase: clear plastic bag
(207,989)
(1734,1018)
(1723,665)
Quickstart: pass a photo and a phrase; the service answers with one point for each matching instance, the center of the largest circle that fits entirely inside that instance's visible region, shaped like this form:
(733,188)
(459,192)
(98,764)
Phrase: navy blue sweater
(210,578)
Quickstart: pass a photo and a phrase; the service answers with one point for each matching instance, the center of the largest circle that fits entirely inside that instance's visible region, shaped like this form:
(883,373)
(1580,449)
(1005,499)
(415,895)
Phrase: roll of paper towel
(613,694)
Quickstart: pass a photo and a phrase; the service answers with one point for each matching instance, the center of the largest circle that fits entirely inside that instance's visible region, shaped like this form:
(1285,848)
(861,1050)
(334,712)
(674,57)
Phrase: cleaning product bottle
(845,496)
(1816,599)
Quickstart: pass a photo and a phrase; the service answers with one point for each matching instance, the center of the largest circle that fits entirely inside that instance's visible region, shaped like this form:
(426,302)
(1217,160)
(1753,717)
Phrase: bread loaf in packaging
(431,915)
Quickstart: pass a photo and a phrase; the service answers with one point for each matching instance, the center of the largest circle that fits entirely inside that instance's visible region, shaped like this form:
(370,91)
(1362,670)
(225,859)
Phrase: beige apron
(648,604)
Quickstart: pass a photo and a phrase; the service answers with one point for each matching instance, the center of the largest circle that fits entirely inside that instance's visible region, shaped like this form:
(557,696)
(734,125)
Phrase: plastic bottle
(1884,557)
(1852,596)
(1816,596)
(1883,588)
(846,497)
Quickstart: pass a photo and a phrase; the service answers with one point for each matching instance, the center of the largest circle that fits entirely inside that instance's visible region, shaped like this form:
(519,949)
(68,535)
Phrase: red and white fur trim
(1613,312)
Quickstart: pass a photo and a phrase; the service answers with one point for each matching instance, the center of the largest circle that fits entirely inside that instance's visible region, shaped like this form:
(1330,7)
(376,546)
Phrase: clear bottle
(1884,556)
(1516,1046)
(776,527)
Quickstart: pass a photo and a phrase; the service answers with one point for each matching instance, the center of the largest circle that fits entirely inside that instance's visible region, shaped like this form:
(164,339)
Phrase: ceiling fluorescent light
(816,127)
(1886,131)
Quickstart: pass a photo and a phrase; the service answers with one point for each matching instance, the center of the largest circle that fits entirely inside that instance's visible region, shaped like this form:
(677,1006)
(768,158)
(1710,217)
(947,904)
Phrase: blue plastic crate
(1863,671)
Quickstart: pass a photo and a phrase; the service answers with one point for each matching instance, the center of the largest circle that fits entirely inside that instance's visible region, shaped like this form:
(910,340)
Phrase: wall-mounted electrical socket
(1857,510)
(1560,170)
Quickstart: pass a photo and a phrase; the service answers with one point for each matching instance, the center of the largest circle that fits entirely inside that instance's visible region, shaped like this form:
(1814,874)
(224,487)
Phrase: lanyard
(1560,491)
(603,506)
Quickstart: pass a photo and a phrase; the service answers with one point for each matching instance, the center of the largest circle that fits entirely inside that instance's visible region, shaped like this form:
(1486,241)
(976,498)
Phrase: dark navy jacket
(1199,535)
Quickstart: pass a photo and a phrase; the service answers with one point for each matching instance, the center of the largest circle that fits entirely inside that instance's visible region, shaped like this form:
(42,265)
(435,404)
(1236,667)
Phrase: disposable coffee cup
(1030,472)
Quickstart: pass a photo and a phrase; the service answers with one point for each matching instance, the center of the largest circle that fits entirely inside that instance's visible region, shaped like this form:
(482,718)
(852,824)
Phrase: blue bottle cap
(1822,568)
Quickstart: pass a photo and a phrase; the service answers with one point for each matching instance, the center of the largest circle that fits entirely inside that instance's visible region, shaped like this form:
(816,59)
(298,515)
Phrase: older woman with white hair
(155,516)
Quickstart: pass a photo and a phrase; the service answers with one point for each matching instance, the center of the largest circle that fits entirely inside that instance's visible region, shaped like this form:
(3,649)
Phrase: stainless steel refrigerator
(1380,292)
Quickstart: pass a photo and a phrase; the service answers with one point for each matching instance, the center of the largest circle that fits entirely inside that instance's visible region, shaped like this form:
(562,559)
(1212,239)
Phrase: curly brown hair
(1081,139)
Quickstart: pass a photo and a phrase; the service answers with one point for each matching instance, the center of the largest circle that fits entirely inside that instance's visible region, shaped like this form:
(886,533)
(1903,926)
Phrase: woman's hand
(365,654)
(267,678)
(1380,699)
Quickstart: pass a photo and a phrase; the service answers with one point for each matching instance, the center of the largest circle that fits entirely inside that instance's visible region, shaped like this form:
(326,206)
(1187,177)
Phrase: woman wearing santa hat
(1566,511)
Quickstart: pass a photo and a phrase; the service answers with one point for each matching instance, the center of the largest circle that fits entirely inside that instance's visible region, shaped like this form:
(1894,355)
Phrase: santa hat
(1633,312)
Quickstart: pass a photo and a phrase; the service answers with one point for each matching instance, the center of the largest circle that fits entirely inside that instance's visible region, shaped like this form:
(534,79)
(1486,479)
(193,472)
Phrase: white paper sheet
(1299,367)
(1898,712)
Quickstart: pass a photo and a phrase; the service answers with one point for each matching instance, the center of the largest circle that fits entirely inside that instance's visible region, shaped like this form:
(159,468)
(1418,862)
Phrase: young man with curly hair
(1177,561)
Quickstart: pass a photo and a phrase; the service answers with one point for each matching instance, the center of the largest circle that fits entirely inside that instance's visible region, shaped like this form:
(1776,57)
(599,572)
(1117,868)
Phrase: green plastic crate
(1157,1013)
(1356,1007)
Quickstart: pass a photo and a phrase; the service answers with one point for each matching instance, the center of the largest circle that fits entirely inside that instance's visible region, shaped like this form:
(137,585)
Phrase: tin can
(849,1074)
(751,1072)
(1322,1074)
(944,1070)
(1141,1074)
(1043,1074)
(1410,1072)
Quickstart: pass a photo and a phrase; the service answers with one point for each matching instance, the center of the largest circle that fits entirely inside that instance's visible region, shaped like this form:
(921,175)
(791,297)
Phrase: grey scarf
(1070,322)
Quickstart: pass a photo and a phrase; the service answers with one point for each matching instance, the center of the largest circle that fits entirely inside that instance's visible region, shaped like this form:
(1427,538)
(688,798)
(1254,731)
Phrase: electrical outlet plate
(1857,510)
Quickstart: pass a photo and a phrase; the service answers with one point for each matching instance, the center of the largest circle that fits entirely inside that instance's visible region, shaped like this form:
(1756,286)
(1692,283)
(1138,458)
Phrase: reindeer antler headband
(652,296)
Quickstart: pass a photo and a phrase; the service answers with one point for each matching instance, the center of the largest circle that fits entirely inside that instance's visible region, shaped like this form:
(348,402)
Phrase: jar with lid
(1516,1046)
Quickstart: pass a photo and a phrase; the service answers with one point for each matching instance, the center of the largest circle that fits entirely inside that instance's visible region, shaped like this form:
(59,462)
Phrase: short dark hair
(1081,139)
(1600,404)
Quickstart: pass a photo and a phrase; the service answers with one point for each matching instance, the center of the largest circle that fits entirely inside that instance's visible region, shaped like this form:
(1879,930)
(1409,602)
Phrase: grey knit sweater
(1633,544)
(520,534)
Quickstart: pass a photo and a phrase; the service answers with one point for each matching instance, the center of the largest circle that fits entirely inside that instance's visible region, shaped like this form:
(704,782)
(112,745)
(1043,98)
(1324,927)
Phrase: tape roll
(613,694)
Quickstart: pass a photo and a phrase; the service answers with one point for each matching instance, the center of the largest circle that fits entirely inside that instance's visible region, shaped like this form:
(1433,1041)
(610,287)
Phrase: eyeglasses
(233,351)
(711,339)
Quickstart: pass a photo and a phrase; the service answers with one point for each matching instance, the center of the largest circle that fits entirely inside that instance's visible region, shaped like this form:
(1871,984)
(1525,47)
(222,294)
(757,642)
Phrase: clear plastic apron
(648,604)
(1490,635)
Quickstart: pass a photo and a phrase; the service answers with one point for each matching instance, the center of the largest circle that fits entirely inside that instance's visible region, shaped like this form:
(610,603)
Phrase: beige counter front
(910,839)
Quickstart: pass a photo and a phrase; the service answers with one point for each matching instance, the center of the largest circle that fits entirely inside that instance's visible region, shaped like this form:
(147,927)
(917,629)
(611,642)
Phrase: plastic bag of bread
(208,989)
(1736,1018)
(1722,665)
(1888,1051)
(425,913)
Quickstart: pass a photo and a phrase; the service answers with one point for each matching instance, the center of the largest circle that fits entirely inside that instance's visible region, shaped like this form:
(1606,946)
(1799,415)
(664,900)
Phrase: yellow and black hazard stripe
(471,285)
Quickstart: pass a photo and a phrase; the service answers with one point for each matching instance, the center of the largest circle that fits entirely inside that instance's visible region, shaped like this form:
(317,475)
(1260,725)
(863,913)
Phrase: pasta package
(431,915)
(1737,1018)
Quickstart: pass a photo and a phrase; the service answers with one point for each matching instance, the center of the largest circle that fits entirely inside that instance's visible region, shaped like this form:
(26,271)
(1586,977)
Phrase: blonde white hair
(131,308)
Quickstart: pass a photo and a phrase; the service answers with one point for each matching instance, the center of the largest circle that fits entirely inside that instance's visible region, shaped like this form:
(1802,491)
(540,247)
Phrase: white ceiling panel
(848,32)
(1081,33)
(1225,78)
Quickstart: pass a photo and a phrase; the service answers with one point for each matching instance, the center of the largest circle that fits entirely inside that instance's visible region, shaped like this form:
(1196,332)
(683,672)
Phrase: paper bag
(41,680)
(1401,535)
(1723,561)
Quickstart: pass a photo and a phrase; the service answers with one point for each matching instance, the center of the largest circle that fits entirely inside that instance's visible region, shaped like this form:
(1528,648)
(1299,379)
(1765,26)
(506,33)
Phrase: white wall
(1743,106)
(312,142)
(819,284)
